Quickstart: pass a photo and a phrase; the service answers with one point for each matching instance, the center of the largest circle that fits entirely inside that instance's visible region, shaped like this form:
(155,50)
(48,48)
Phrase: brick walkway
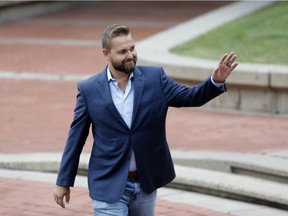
(36,114)
(30,198)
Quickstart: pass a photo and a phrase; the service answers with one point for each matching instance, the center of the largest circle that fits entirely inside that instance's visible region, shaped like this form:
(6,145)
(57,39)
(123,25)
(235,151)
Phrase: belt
(133,175)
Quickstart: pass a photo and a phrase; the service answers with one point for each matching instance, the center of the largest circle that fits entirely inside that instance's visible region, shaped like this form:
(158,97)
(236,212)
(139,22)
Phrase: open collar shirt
(123,100)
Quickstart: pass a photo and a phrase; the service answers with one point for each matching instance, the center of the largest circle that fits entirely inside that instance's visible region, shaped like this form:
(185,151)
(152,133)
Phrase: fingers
(59,195)
(67,198)
(59,200)
(229,60)
(226,65)
(223,58)
(233,66)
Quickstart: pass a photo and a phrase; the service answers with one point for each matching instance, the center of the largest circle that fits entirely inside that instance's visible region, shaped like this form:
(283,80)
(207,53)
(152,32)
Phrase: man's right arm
(78,133)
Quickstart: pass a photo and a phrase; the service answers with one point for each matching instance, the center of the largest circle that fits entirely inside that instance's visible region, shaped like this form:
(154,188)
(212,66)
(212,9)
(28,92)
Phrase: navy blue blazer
(110,157)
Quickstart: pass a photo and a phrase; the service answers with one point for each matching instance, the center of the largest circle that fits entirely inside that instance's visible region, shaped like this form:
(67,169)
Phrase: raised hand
(226,65)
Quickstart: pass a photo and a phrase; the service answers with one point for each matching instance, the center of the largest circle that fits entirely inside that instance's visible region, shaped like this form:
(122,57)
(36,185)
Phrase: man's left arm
(183,96)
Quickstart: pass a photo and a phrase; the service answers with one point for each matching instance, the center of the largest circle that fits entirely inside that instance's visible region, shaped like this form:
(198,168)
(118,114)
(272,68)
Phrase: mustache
(130,60)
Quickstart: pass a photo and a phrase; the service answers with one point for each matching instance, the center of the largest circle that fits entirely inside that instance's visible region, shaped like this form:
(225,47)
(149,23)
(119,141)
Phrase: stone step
(17,10)
(269,167)
(213,182)
(244,188)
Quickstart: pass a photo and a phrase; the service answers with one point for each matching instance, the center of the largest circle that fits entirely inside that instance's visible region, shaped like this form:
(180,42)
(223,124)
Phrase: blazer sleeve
(183,96)
(77,136)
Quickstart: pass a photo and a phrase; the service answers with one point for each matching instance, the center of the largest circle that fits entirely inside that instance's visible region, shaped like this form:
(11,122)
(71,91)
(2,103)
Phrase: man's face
(122,55)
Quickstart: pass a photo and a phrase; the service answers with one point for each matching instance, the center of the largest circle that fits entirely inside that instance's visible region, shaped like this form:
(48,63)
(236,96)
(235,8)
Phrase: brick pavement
(23,198)
(36,114)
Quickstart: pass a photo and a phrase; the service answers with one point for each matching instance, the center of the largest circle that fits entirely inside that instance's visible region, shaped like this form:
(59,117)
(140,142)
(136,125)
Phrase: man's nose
(130,54)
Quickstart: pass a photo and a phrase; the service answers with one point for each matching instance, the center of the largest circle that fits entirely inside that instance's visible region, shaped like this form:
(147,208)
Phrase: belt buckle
(133,175)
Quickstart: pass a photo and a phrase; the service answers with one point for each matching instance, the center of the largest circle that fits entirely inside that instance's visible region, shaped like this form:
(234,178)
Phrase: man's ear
(106,54)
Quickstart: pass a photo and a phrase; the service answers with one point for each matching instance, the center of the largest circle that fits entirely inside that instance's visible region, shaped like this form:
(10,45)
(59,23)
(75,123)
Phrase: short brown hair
(113,31)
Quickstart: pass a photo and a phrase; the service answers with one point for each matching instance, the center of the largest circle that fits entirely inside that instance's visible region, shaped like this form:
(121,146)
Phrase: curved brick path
(35,114)
(23,198)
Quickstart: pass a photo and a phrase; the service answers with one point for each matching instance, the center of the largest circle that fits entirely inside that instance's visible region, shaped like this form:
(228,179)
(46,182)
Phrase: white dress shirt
(123,101)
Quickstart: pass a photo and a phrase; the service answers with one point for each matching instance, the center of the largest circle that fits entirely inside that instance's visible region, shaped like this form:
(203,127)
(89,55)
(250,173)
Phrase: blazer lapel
(138,92)
(104,91)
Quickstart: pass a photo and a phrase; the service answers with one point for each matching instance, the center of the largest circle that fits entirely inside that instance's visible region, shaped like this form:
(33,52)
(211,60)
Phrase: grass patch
(259,38)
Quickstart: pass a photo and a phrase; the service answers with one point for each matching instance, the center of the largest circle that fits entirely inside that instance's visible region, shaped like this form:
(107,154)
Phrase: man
(127,106)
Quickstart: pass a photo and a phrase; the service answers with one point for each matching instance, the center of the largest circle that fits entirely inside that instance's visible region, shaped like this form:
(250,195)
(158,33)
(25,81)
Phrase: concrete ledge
(15,10)
(45,162)
(9,3)
(41,76)
(259,166)
(216,182)
(267,83)
(232,186)
(155,49)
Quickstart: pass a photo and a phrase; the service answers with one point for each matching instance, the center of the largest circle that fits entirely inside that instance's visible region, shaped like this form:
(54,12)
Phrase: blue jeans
(134,202)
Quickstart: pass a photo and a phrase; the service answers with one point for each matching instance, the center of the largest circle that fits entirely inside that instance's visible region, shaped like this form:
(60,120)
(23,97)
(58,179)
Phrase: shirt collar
(109,75)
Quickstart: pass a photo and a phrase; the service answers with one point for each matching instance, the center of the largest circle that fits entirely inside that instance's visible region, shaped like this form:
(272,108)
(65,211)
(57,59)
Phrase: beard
(126,67)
